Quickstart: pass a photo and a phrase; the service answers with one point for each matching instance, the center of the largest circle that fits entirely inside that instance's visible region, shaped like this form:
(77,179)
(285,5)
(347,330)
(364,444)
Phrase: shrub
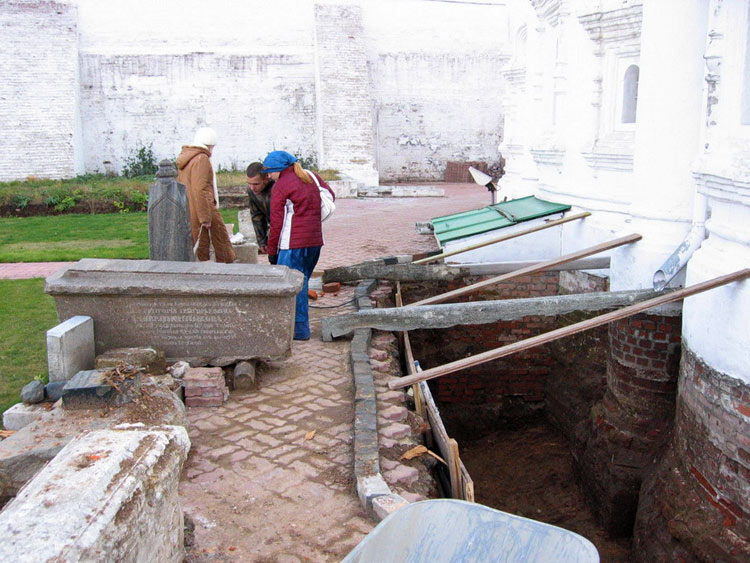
(142,163)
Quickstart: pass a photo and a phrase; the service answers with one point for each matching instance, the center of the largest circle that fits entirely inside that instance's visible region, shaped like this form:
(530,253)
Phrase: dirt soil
(529,471)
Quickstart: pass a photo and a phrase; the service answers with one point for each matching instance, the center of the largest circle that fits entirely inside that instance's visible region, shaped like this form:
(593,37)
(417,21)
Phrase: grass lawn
(62,238)
(26,314)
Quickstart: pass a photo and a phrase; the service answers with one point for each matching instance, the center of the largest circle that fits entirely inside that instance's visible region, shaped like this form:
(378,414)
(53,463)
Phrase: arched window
(630,94)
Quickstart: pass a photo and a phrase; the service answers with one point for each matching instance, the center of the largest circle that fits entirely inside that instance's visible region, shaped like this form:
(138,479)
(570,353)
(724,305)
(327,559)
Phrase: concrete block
(370,487)
(108,495)
(386,505)
(247,252)
(70,348)
(21,414)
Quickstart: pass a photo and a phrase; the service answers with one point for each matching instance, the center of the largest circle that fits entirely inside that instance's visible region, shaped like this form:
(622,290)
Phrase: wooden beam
(541,266)
(477,312)
(505,237)
(410,366)
(567,331)
(393,272)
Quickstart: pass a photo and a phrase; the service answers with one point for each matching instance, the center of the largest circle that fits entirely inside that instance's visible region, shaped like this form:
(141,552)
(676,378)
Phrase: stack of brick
(205,387)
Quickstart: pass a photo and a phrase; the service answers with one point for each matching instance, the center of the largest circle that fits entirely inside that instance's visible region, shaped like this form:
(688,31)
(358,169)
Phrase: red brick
(332,287)
(204,401)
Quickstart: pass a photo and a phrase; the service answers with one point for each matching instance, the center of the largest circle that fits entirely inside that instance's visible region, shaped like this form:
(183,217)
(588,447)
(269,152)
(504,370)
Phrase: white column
(667,140)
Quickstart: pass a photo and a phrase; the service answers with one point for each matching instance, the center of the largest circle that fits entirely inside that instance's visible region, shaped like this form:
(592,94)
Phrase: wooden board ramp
(566,331)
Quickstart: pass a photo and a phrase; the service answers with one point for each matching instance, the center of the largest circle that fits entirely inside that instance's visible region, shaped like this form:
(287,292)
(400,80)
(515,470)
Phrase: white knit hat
(205,136)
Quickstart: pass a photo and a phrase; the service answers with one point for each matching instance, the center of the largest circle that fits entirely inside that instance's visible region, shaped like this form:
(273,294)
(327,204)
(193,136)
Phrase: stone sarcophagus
(191,310)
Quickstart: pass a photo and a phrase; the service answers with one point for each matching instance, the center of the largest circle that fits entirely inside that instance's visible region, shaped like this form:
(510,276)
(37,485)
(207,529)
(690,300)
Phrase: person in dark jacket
(259,187)
(296,235)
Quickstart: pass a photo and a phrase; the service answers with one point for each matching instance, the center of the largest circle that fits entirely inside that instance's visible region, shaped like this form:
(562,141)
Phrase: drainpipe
(692,242)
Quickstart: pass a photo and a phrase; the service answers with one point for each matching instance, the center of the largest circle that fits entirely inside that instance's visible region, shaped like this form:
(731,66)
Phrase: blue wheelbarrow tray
(443,530)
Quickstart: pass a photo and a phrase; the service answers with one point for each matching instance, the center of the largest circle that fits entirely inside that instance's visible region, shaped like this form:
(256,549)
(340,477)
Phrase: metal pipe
(692,242)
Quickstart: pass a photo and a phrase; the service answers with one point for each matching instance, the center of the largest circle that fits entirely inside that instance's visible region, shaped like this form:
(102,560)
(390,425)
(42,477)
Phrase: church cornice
(619,26)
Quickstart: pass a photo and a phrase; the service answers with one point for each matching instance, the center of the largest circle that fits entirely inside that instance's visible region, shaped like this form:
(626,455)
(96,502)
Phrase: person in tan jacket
(195,171)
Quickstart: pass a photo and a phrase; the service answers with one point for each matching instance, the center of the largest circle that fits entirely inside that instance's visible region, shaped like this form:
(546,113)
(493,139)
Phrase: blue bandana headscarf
(276,161)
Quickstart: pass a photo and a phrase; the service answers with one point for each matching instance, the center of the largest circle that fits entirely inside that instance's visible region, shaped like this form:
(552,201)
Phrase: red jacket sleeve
(278,200)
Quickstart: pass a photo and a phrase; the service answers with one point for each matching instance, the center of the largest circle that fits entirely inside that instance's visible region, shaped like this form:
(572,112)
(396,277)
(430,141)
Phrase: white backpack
(327,206)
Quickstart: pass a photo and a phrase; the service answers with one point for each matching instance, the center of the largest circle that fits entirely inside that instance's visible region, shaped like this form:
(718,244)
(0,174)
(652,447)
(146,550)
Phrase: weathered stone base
(695,506)
(109,495)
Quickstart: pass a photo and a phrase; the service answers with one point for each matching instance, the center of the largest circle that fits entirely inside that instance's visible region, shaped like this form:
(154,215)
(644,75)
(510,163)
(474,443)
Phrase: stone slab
(109,495)
(21,414)
(245,225)
(70,347)
(401,191)
(247,252)
(91,389)
(26,451)
(169,236)
(187,309)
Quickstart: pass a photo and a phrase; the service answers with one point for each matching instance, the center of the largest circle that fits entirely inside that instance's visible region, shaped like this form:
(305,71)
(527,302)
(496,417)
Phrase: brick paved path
(255,487)
(252,481)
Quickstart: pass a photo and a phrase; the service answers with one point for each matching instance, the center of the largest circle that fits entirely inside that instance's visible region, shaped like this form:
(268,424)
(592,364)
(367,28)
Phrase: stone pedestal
(169,236)
(188,309)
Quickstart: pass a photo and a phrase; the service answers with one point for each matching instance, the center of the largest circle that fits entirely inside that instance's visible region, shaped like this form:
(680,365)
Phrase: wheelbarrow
(444,530)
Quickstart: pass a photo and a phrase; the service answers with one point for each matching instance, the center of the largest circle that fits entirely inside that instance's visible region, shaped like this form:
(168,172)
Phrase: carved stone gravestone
(191,310)
(169,236)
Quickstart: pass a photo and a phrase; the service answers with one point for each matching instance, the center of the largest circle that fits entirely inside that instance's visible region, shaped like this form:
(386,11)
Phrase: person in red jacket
(296,234)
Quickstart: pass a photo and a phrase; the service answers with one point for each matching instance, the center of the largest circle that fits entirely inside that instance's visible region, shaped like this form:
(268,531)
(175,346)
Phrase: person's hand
(263,249)
(272,258)
(206,225)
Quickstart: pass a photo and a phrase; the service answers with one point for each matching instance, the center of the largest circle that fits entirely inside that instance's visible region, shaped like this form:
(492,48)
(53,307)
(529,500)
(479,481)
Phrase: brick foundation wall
(695,506)
(632,424)
(508,387)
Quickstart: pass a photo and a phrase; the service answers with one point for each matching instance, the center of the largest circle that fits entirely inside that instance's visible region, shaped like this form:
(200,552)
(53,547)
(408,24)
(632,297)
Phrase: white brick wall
(345,106)
(360,83)
(38,89)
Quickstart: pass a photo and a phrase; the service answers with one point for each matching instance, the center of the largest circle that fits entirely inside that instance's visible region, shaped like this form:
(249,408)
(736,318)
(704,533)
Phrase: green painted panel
(492,217)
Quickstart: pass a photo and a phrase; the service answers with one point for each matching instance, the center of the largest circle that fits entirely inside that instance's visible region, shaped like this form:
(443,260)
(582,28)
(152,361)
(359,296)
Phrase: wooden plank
(504,238)
(454,469)
(566,331)
(479,312)
(541,266)
(410,365)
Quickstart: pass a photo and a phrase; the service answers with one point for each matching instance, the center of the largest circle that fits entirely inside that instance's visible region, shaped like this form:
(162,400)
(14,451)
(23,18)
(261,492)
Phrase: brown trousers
(219,237)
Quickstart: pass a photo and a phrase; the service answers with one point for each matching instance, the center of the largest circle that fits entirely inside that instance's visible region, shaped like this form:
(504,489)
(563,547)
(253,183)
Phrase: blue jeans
(304,260)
